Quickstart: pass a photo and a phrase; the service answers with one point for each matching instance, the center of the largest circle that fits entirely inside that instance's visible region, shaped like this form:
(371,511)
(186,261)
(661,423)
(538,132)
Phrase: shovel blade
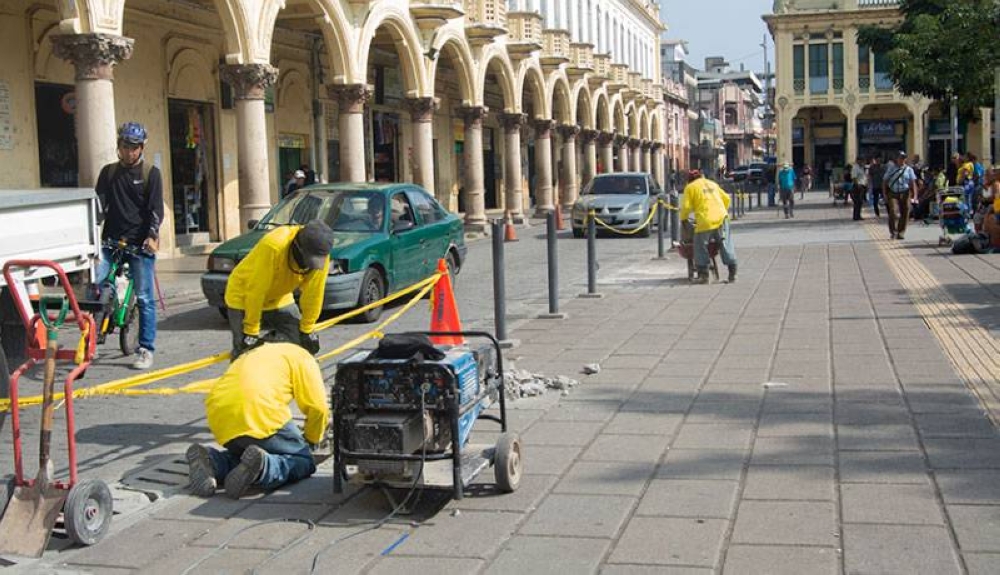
(27,524)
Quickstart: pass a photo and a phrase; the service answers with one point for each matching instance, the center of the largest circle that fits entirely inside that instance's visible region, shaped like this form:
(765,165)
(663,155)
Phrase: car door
(407,242)
(433,226)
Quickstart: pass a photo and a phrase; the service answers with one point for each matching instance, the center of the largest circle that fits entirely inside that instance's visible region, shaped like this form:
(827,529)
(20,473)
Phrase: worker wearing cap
(710,206)
(259,291)
(247,411)
(297,181)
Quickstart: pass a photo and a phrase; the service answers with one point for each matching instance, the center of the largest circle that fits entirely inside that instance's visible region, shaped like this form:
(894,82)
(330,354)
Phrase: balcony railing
(619,76)
(525,29)
(555,47)
(602,65)
(485,20)
(635,82)
(581,57)
(878,3)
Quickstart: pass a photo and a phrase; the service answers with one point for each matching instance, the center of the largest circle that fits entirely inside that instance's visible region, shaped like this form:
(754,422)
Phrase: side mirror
(252,224)
(402,226)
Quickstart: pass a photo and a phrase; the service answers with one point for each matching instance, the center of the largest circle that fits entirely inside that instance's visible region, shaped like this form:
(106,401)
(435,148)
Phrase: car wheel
(644,233)
(372,290)
(452,261)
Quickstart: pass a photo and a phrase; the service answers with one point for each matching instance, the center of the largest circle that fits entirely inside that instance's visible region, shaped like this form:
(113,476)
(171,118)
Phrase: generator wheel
(507,463)
(87,512)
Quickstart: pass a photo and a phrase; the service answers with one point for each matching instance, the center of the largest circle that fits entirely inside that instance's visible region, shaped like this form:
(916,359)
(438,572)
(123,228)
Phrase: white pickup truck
(56,224)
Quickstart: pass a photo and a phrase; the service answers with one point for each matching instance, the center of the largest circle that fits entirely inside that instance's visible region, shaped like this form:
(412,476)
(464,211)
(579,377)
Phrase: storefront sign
(798,134)
(291,141)
(6,127)
(874,132)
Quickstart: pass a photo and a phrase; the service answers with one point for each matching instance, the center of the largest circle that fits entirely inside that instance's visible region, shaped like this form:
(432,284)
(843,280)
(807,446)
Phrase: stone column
(658,164)
(570,187)
(352,99)
(604,142)
(543,161)
(94,57)
(647,159)
(851,145)
(512,164)
(422,118)
(589,140)
(249,82)
(623,163)
(635,155)
(784,137)
(474,192)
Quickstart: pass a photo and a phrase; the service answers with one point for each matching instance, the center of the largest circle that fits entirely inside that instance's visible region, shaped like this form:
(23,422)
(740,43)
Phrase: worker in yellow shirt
(710,205)
(259,291)
(249,416)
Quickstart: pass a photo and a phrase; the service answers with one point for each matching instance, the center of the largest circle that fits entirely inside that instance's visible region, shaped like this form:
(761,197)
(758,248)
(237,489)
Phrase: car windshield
(342,210)
(617,185)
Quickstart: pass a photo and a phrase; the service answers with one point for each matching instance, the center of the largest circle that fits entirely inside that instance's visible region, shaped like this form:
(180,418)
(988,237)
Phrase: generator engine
(406,407)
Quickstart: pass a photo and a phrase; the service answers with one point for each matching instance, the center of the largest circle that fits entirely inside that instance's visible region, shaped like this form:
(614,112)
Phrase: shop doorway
(290,158)
(55,106)
(192,172)
(828,159)
(385,153)
(490,170)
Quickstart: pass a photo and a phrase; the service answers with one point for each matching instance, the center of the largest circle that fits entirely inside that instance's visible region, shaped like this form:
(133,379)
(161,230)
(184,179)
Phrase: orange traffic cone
(444,310)
(559,221)
(509,233)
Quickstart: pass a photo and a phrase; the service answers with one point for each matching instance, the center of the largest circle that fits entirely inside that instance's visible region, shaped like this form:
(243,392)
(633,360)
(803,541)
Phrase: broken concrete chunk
(592,368)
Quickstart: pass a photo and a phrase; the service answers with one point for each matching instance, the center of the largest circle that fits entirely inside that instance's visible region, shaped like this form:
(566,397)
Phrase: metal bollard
(675,220)
(759,191)
(553,262)
(591,254)
(499,286)
(660,222)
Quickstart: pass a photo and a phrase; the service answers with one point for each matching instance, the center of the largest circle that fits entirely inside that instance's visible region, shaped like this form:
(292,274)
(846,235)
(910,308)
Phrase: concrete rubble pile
(522,383)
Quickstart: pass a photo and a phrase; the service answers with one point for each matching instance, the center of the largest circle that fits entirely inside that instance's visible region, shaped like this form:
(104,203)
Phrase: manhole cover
(162,477)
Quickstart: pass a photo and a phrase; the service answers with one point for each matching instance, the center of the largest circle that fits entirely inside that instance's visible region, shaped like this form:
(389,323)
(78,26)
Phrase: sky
(729,28)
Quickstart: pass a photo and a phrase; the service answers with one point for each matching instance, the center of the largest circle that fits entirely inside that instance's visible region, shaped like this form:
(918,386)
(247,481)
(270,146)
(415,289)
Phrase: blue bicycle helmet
(132,133)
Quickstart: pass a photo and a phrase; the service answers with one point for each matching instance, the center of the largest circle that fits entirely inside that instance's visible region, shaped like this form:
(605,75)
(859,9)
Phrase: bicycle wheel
(128,333)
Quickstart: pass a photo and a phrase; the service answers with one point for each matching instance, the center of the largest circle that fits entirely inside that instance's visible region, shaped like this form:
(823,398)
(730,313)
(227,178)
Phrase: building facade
(491,105)
(734,99)
(834,100)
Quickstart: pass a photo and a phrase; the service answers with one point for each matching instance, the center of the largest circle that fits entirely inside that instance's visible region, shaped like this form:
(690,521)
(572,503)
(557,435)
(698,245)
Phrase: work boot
(702,277)
(732,273)
(244,475)
(201,472)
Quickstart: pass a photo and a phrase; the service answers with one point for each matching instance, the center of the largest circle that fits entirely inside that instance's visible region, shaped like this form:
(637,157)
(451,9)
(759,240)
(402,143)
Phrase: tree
(942,48)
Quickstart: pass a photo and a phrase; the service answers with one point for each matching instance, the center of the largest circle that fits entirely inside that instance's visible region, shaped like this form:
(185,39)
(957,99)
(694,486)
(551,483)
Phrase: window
(864,68)
(883,82)
(429,210)
(799,68)
(838,67)
(819,72)
(731,116)
(402,212)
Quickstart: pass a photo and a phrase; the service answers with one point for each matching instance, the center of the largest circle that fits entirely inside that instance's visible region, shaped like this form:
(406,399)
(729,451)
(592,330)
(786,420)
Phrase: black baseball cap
(314,241)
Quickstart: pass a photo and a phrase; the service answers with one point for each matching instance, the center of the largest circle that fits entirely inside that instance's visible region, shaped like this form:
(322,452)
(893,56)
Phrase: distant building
(834,100)
(734,98)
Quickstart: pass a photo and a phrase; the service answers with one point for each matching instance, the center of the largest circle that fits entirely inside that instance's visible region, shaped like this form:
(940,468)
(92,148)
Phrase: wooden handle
(48,407)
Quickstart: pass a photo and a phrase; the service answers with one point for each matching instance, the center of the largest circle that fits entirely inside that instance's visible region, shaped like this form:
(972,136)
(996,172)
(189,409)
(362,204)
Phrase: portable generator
(405,423)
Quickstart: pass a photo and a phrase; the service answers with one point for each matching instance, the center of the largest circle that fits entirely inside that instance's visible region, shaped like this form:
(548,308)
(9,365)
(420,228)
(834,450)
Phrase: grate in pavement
(162,477)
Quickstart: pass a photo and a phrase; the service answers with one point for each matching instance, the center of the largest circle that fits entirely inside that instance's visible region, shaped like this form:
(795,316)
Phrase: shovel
(33,510)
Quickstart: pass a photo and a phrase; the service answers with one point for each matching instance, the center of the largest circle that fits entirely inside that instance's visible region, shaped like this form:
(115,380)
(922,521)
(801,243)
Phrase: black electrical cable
(223,545)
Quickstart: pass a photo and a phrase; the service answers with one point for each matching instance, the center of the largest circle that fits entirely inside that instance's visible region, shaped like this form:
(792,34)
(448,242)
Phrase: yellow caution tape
(644,225)
(124,386)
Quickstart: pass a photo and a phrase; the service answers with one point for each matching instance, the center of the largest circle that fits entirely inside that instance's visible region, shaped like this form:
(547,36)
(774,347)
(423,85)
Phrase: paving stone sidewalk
(804,420)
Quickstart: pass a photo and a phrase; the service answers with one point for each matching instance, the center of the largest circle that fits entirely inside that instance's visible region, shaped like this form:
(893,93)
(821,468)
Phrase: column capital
(93,55)
(568,131)
(249,80)
(473,116)
(645,144)
(605,138)
(513,121)
(543,127)
(620,140)
(587,135)
(351,97)
(656,146)
(422,109)
(633,143)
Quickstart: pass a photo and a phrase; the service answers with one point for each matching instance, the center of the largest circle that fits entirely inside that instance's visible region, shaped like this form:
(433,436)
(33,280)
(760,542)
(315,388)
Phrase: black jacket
(132,207)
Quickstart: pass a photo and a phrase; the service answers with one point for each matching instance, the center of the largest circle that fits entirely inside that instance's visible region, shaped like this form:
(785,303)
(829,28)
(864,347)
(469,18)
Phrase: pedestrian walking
(298,180)
(130,192)
(807,181)
(259,290)
(709,204)
(786,183)
(247,411)
(876,174)
(859,186)
(900,187)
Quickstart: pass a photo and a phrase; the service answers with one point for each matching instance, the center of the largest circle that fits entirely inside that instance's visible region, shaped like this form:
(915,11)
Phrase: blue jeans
(143,274)
(288,457)
(725,243)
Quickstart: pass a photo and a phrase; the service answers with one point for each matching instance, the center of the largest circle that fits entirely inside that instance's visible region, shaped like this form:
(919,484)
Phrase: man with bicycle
(259,291)
(131,195)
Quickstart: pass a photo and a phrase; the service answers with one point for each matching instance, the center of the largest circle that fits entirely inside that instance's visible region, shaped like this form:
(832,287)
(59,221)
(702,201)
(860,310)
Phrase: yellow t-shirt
(708,202)
(252,398)
(966,172)
(265,280)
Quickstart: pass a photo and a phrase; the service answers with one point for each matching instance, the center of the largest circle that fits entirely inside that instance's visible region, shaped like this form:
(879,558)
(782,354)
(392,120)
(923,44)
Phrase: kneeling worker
(249,416)
(710,205)
(259,290)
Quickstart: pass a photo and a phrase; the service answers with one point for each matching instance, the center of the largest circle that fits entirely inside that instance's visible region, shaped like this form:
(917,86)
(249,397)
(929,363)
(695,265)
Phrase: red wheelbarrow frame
(36,354)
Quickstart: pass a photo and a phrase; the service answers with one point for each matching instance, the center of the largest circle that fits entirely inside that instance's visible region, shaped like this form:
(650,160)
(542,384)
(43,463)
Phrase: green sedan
(386,237)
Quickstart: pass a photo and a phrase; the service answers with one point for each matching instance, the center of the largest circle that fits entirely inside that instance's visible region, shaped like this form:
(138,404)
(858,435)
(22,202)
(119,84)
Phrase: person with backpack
(130,192)
(899,186)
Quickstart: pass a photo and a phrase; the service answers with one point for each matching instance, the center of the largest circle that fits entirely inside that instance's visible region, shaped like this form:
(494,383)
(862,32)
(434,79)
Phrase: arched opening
(825,128)
(532,94)
(498,97)
(452,75)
